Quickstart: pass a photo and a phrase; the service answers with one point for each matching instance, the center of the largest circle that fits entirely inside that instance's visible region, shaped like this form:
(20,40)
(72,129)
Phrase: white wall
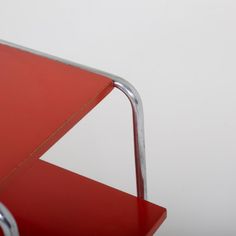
(181,57)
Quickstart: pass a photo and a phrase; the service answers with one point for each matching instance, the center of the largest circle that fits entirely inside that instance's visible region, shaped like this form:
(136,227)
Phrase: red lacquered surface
(40,99)
(48,200)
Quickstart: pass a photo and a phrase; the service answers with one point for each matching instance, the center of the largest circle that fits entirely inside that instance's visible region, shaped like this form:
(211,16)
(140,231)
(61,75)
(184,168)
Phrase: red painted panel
(40,99)
(48,200)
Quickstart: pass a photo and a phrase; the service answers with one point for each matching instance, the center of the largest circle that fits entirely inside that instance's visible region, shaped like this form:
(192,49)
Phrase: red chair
(41,98)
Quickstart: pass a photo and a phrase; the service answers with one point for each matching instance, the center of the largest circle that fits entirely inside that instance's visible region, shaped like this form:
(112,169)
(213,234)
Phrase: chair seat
(49,200)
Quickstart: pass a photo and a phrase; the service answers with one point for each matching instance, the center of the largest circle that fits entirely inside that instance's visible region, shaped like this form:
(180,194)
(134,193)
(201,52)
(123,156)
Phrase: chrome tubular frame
(138,129)
(7,222)
(137,109)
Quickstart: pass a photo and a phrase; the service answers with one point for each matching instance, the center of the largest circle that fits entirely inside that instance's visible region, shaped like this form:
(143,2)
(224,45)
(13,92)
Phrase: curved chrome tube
(138,118)
(7,222)
(138,129)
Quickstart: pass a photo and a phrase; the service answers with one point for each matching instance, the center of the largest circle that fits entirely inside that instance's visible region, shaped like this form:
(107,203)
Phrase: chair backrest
(40,99)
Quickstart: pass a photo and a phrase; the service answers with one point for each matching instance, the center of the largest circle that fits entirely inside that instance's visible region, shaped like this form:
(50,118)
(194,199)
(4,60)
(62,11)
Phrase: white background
(181,57)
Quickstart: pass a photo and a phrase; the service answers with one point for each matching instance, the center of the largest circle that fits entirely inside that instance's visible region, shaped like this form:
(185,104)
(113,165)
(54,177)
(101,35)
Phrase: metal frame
(138,129)
(7,222)
(137,110)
